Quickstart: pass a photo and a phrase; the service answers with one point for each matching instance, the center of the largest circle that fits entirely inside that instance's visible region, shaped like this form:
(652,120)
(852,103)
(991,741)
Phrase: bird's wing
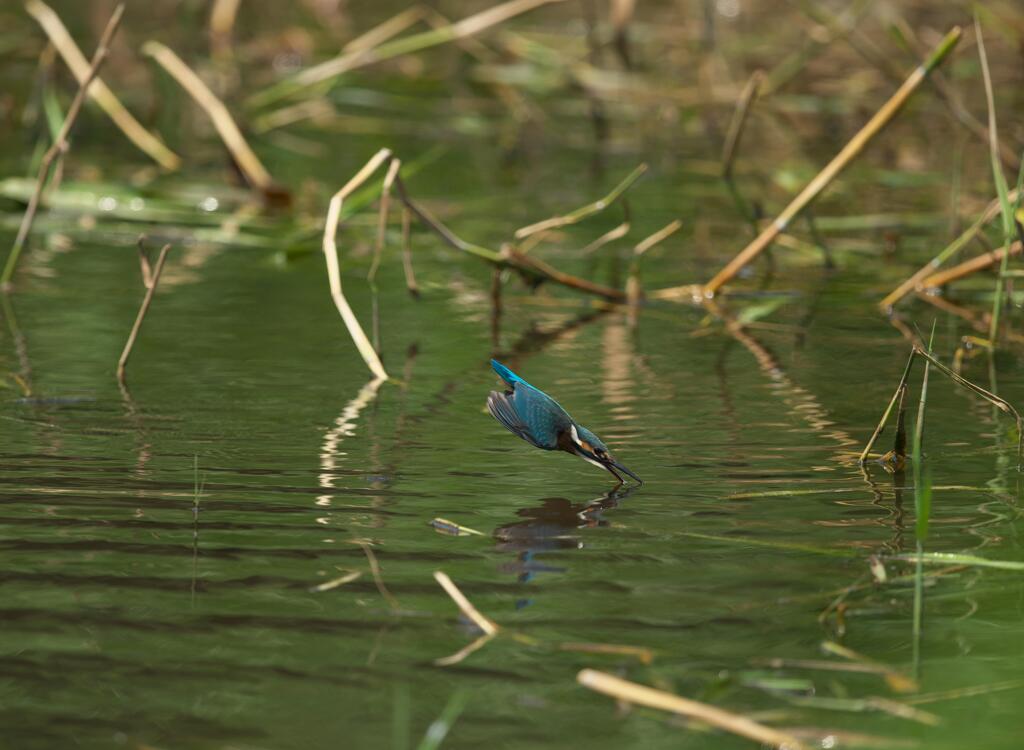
(501,408)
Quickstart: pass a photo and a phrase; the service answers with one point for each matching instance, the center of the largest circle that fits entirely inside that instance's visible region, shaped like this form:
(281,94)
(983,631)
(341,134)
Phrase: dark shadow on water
(550,527)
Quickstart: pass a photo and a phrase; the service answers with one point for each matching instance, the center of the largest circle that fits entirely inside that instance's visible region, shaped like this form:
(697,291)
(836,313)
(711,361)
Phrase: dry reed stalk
(509,258)
(222,23)
(145,268)
(888,410)
(99,91)
(849,152)
(330,249)
(916,281)
(634,290)
(616,233)
(642,654)
(584,211)
(60,144)
(489,627)
(122,363)
(244,156)
(336,582)
(975,264)
(662,234)
(378,577)
(387,29)
(739,120)
(631,692)
(458,656)
(359,58)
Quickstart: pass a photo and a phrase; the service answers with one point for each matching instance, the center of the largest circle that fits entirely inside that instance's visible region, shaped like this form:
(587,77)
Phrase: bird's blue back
(539,413)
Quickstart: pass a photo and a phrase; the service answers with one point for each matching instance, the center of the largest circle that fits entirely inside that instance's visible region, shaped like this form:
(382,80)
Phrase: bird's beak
(624,470)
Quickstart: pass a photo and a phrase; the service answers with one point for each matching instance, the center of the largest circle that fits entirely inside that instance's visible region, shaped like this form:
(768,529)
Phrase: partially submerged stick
(977,263)
(60,143)
(888,409)
(489,627)
(244,156)
(642,695)
(834,167)
(122,363)
(99,91)
(917,280)
(330,249)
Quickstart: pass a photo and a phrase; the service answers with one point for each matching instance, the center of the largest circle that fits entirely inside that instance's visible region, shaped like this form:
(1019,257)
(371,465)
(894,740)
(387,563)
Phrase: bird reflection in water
(550,527)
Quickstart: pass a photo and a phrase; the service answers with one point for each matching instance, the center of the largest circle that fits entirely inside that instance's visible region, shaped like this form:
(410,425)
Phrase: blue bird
(539,420)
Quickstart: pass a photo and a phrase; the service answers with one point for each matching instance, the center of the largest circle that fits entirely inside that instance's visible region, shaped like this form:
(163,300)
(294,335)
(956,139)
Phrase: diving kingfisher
(539,420)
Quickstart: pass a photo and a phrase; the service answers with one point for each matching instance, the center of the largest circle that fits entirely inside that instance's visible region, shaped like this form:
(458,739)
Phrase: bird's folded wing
(501,408)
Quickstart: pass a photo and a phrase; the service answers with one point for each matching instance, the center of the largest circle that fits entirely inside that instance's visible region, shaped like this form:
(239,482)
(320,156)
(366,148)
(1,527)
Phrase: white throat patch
(575,435)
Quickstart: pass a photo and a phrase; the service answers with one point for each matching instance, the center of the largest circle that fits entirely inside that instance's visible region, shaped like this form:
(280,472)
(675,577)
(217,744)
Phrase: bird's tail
(506,374)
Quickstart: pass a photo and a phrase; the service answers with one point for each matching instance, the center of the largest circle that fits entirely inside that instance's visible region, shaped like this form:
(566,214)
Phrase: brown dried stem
(739,120)
(489,627)
(244,156)
(975,264)
(632,692)
(330,249)
(60,142)
(122,363)
(834,167)
(99,91)
(888,410)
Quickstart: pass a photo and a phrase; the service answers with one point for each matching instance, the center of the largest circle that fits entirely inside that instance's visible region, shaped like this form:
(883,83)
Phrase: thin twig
(99,91)
(489,627)
(330,249)
(584,211)
(60,143)
(849,152)
(382,226)
(146,301)
(975,264)
(632,692)
(244,156)
(739,120)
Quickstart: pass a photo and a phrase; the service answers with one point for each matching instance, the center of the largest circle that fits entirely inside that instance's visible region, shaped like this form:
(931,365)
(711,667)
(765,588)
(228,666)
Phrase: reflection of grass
(922,508)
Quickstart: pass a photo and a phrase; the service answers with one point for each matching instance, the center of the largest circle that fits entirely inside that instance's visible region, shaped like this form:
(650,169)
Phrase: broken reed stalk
(330,249)
(739,120)
(99,92)
(975,264)
(60,143)
(616,233)
(513,259)
(222,23)
(489,627)
(632,692)
(634,291)
(244,156)
(888,409)
(387,29)
(918,280)
(122,363)
(999,178)
(584,211)
(834,167)
(362,57)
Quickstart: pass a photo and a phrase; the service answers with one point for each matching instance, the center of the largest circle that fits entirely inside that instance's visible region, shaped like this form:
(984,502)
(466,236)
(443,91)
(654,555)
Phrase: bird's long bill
(624,470)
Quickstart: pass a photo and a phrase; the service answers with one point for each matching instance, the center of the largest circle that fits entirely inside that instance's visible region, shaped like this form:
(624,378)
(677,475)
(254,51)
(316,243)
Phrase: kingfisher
(539,420)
